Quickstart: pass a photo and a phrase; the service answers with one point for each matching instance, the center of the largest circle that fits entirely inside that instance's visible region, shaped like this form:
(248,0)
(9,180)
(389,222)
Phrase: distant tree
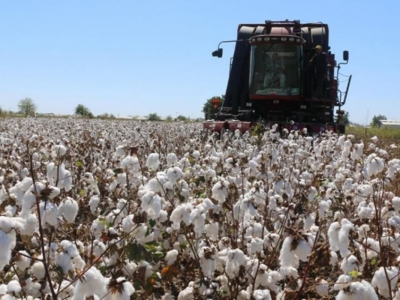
(27,107)
(212,106)
(181,118)
(83,111)
(376,120)
(169,118)
(154,117)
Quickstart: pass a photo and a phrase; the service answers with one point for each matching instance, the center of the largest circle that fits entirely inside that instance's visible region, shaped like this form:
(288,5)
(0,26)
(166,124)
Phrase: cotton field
(95,209)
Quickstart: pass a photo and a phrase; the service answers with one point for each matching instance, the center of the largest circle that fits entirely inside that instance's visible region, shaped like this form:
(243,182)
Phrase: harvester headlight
(266,39)
(283,39)
(291,39)
(259,39)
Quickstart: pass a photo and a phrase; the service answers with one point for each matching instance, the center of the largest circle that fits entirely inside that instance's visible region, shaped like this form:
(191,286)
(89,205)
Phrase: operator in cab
(274,78)
(319,65)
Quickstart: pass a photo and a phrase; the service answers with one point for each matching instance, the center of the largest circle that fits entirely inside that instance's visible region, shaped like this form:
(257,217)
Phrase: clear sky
(139,57)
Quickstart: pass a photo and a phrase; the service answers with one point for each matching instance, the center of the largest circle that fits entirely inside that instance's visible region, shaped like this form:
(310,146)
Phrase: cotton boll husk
(68,209)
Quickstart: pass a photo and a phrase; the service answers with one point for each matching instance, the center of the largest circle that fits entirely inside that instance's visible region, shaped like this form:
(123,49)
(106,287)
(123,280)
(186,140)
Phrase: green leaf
(79,164)
(118,171)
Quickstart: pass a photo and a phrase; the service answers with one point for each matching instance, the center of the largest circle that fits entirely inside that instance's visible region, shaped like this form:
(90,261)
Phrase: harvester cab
(277,76)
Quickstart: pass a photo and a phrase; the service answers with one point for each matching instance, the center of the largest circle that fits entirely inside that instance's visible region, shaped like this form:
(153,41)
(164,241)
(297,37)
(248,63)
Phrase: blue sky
(140,57)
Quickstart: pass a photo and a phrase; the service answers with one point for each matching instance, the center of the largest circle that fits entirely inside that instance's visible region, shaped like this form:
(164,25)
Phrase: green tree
(212,106)
(83,111)
(181,118)
(169,118)
(27,107)
(154,117)
(376,120)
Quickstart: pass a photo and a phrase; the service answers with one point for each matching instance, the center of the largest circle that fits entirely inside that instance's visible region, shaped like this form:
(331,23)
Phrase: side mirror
(217,53)
(345,55)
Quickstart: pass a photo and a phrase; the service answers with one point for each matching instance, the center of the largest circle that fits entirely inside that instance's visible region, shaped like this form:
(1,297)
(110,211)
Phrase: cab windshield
(275,69)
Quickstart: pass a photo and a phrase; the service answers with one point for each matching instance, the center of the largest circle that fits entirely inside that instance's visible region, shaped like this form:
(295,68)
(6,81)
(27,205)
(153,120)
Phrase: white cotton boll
(171,256)
(28,201)
(131,163)
(49,213)
(3,289)
(78,262)
(303,250)
(344,238)
(255,246)
(262,295)
(64,261)
(220,191)
(58,150)
(98,226)
(396,203)
(322,287)
(151,204)
(120,151)
(379,280)
(5,246)
(38,270)
(244,295)
(312,193)
(68,209)
(66,181)
(92,283)
(67,290)
(153,161)
(358,291)
(94,203)
(22,261)
(349,264)
(286,256)
(187,293)
(375,139)
(333,236)
(127,223)
(342,282)
(174,174)
(212,230)
(51,172)
(13,287)
(171,159)
(196,154)
(31,225)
